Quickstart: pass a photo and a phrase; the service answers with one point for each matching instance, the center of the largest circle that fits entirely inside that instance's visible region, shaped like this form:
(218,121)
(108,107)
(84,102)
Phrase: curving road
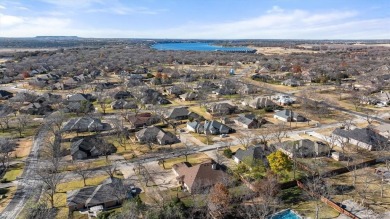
(27,186)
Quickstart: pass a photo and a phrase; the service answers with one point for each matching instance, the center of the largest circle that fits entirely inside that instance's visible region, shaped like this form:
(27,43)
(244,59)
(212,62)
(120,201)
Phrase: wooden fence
(329,202)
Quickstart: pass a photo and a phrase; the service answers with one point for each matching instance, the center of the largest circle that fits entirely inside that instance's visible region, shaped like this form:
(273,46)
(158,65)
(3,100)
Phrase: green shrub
(228,153)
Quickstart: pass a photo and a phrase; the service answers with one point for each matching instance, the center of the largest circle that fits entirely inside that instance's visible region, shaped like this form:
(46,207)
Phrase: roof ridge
(93,194)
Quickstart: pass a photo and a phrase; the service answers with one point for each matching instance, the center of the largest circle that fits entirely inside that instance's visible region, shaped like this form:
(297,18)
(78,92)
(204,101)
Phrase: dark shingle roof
(365,135)
(253,152)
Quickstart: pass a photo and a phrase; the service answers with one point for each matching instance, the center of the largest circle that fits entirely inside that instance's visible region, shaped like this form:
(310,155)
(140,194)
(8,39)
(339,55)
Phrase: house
(189,96)
(303,148)
(366,138)
(180,113)
(216,128)
(222,109)
(247,89)
(86,148)
(134,83)
(150,96)
(249,155)
(259,103)
(80,97)
(225,91)
(283,100)
(123,104)
(122,95)
(156,135)
(195,126)
(5,95)
(85,124)
(205,86)
(23,97)
(175,90)
(248,121)
(36,109)
(292,82)
(261,77)
(107,195)
(79,107)
(289,116)
(200,177)
(142,120)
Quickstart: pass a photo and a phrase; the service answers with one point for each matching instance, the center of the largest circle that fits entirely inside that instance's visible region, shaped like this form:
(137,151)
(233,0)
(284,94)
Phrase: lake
(199,47)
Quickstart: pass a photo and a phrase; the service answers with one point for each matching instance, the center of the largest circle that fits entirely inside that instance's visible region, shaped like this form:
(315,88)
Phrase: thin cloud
(126,10)
(2,7)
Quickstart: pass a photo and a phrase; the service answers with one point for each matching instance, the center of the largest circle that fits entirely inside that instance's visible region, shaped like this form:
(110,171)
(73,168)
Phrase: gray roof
(287,114)
(178,112)
(365,135)
(253,152)
(156,135)
(95,195)
(246,119)
(215,127)
(83,123)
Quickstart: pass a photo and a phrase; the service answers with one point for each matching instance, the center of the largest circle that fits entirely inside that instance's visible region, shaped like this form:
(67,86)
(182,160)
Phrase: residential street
(27,187)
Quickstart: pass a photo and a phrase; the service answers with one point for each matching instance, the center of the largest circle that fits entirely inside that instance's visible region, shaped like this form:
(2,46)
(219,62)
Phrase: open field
(280,50)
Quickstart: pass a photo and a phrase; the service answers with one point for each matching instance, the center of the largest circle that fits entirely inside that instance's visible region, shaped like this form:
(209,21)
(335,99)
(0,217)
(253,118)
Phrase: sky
(197,19)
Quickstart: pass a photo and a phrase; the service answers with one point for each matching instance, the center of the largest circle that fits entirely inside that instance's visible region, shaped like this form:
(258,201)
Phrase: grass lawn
(192,159)
(13,172)
(203,138)
(307,209)
(367,188)
(29,130)
(201,111)
(60,197)
(8,194)
(93,164)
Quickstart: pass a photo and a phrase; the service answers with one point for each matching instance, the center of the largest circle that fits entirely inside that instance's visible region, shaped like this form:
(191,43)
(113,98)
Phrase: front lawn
(193,159)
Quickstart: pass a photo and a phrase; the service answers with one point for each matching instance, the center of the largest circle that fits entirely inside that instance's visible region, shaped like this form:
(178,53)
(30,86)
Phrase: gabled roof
(95,195)
(287,114)
(201,175)
(78,97)
(252,152)
(246,119)
(365,135)
(215,125)
(177,112)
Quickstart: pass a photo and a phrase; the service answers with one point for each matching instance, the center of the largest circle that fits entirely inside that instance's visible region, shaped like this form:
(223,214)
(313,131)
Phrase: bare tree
(5,122)
(104,101)
(21,123)
(83,170)
(49,174)
(6,148)
(246,139)
(279,131)
(110,168)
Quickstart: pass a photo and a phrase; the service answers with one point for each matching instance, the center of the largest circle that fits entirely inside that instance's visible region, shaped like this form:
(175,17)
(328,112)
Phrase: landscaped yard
(13,172)
(367,188)
(60,197)
(192,159)
(208,140)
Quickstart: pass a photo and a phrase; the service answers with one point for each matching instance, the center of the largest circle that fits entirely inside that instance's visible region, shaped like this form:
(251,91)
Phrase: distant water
(198,47)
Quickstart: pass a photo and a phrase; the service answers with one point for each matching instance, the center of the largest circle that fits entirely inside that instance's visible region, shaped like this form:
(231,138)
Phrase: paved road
(27,186)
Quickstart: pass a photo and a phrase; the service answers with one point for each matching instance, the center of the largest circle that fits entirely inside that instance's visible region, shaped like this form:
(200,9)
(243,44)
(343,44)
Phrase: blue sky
(201,19)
